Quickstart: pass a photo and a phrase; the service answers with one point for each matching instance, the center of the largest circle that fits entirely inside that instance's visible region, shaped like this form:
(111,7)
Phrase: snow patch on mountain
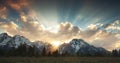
(4,38)
(81,47)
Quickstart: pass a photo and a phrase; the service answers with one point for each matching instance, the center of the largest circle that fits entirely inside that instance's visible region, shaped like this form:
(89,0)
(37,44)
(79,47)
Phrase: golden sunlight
(56,44)
(53,29)
(117,45)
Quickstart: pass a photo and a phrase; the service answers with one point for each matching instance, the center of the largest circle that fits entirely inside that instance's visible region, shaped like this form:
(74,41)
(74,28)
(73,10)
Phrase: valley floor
(59,59)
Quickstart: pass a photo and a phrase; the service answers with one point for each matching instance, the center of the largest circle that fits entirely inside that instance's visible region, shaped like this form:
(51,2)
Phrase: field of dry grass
(59,60)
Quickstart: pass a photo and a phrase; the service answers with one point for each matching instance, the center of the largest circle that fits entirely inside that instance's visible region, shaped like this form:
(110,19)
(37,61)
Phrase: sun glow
(117,45)
(56,44)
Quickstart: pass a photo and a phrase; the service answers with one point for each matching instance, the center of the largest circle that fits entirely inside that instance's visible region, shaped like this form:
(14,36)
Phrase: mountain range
(75,46)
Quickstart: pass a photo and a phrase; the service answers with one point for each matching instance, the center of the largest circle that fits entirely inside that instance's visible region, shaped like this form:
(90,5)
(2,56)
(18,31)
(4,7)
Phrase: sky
(95,21)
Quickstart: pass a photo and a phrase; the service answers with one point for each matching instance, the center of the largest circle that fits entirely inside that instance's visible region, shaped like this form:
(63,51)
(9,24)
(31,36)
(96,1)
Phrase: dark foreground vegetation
(27,54)
(59,60)
(27,51)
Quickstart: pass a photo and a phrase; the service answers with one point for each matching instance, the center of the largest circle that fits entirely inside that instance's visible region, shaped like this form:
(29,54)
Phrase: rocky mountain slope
(75,46)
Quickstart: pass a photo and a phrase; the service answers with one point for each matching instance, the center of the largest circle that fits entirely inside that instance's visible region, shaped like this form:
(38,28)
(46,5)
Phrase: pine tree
(49,54)
(43,52)
(55,53)
(115,53)
(119,53)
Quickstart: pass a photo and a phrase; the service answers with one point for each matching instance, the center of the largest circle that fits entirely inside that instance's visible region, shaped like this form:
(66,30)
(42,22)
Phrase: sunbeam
(63,20)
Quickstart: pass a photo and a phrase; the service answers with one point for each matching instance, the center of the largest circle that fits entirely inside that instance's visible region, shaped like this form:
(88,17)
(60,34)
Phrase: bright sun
(56,44)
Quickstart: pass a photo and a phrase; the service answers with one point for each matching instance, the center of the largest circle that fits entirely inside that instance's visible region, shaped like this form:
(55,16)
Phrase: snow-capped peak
(78,43)
(73,47)
(17,40)
(79,46)
(4,38)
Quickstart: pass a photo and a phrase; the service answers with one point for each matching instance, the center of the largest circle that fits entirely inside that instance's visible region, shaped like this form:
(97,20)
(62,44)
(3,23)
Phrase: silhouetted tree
(115,53)
(65,54)
(55,53)
(44,52)
(119,52)
(11,52)
(1,51)
(31,51)
(49,54)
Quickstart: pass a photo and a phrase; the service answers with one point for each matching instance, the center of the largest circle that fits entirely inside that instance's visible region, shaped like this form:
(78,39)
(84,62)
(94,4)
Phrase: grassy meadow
(59,60)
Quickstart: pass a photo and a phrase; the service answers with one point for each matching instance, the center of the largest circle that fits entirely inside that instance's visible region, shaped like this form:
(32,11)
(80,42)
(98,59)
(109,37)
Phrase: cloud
(10,27)
(101,37)
(66,31)
(19,5)
(89,32)
(105,39)
(3,12)
(68,28)
(114,27)
(33,30)
(28,25)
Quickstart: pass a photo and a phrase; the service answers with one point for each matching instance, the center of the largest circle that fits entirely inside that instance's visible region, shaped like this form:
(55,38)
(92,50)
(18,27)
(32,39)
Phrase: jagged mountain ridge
(78,46)
(14,41)
(4,38)
(17,40)
(8,42)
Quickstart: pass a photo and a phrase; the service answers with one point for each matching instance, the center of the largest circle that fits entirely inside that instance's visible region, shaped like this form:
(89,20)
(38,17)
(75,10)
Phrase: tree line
(25,50)
(116,53)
